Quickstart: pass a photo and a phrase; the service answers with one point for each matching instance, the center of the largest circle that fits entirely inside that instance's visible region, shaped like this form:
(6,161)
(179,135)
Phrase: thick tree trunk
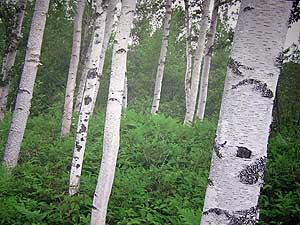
(10,56)
(204,24)
(88,96)
(206,63)
(240,148)
(108,30)
(23,101)
(162,58)
(189,56)
(111,138)
(69,98)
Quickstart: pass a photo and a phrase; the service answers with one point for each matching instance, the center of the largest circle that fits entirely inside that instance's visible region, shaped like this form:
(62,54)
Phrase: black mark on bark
(92,73)
(243,152)
(258,86)
(210,182)
(78,146)
(82,128)
(253,172)
(247,8)
(235,67)
(217,147)
(87,100)
(23,91)
(121,50)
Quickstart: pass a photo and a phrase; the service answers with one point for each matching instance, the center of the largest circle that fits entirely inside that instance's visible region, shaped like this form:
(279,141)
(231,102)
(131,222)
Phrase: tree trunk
(88,96)
(189,57)
(69,98)
(108,30)
(10,56)
(206,63)
(190,111)
(111,138)
(23,101)
(162,58)
(240,148)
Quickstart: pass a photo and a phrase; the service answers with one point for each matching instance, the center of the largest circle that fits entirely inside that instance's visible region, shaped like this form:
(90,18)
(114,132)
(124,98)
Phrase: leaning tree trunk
(111,138)
(206,63)
(162,58)
(189,56)
(88,96)
(69,98)
(240,148)
(23,101)
(190,111)
(10,56)
(108,30)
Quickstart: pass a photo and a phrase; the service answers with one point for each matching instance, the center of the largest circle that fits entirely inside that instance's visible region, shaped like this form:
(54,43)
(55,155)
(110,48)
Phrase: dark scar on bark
(210,182)
(82,128)
(258,86)
(23,90)
(253,172)
(235,67)
(279,60)
(121,50)
(243,152)
(92,73)
(78,147)
(241,217)
(248,8)
(87,100)
(217,147)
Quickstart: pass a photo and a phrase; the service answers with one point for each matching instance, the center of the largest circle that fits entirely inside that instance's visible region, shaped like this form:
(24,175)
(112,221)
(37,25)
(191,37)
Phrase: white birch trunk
(188,52)
(162,58)
(23,101)
(111,138)
(108,29)
(10,56)
(69,97)
(204,24)
(88,96)
(240,148)
(206,64)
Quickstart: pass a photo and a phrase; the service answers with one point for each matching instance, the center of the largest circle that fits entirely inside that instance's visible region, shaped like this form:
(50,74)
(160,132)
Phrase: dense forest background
(163,165)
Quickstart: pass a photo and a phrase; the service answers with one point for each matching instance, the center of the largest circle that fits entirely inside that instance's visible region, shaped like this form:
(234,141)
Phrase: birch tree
(111,139)
(206,62)
(11,51)
(162,58)
(93,73)
(23,101)
(193,92)
(240,148)
(69,97)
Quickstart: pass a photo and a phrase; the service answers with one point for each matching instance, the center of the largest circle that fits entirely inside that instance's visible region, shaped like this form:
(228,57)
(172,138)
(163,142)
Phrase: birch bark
(206,63)
(240,148)
(88,96)
(162,58)
(10,56)
(204,24)
(23,101)
(111,138)
(69,98)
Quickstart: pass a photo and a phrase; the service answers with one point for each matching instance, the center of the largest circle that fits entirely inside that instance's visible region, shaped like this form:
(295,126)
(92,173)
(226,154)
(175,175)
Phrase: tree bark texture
(162,58)
(240,148)
(24,96)
(111,138)
(69,97)
(10,55)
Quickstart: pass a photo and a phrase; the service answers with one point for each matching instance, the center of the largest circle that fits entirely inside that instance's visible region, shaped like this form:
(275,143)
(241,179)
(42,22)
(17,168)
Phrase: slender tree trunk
(23,101)
(69,98)
(162,58)
(206,63)
(108,30)
(88,96)
(188,70)
(10,56)
(240,148)
(204,24)
(111,138)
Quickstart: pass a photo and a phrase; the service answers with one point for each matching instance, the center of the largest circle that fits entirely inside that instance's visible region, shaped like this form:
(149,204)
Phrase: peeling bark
(111,139)
(10,56)
(162,58)
(23,101)
(69,97)
(246,114)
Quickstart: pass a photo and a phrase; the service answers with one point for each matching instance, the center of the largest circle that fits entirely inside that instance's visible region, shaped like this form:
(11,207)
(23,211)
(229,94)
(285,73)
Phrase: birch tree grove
(162,58)
(69,98)
(240,148)
(111,139)
(206,62)
(10,56)
(193,92)
(88,96)
(23,101)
